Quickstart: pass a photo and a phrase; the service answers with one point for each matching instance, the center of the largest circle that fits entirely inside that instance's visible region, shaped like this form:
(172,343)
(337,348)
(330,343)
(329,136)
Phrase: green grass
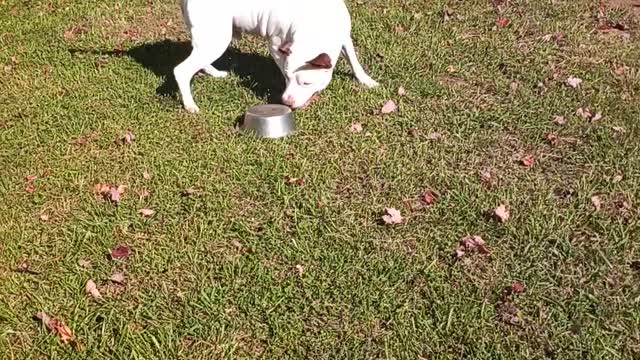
(214,275)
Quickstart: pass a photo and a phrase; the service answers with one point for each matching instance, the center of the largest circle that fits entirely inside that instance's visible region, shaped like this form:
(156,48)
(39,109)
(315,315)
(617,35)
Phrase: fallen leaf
(356,127)
(44,217)
(146,175)
(392,216)
(300,269)
(618,129)
(237,244)
(128,138)
(502,22)
(144,193)
(402,91)
(517,288)
(120,252)
(596,117)
(146,212)
(446,14)
(30,186)
(502,213)
(469,244)
(429,197)
(487,178)
(389,107)
(559,120)
(57,327)
(190,192)
(399,29)
(616,178)
(596,201)
(621,70)
(584,113)
(91,289)
(25,268)
(528,161)
(435,136)
(294,181)
(114,195)
(74,31)
(85,263)
(574,82)
(118,278)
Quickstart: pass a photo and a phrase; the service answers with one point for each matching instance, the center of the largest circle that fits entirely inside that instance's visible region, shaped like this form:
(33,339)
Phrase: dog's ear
(285,48)
(322,61)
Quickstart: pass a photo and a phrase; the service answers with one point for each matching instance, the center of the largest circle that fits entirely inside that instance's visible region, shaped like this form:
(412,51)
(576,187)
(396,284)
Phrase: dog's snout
(288,100)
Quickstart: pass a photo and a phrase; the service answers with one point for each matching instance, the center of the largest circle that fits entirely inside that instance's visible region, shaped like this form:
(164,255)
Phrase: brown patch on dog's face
(322,61)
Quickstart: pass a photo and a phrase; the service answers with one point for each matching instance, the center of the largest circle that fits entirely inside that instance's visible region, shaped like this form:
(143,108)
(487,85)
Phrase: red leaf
(502,22)
(120,252)
(429,197)
(517,288)
(528,161)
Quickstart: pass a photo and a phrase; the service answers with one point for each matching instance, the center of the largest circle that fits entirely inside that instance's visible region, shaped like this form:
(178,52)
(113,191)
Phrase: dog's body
(305,37)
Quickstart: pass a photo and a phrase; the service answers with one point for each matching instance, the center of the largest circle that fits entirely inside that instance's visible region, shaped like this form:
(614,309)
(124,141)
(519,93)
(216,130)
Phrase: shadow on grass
(258,73)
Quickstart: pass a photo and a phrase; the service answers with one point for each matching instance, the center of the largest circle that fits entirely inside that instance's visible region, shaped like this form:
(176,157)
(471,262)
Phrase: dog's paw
(192,109)
(370,83)
(211,71)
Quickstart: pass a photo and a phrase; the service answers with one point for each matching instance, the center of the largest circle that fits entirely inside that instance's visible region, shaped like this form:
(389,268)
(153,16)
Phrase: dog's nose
(288,100)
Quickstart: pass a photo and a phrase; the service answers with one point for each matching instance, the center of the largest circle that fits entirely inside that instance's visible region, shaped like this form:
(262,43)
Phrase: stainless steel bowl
(269,121)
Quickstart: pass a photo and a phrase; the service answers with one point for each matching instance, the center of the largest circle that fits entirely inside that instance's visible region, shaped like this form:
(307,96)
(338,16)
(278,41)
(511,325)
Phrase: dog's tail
(350,53)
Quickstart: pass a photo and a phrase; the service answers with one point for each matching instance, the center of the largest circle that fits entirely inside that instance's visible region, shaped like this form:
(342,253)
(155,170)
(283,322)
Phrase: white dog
(306,38)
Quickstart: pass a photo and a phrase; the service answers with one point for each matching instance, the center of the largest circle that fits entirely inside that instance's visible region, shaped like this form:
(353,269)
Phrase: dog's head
(306,71)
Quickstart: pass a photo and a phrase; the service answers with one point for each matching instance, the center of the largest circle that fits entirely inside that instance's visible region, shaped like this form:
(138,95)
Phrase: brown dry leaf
(120,252)
(237,244)
(471,243)
(356,127)
(294,181)
(429,197)
(596,201)
(85,263)
(617,178)
(144,193)
(528,161)
(91,289)
(118,278)
(435,136)
(128,138)
(392,216)
(25,268)
(502,22)
(57,327)
(44,217)
(300,269)
(584,113)
(517,288)
(74,31)
(146,212)
(191,191)
(146,175)
(574,82)
(398,29)
(487,178)
(559,120)
(502,213)
(596,117)
(402,91)
(389,107)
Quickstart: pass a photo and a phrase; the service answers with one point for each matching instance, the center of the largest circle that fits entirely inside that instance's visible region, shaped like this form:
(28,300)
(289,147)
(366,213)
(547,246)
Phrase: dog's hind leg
(209,43)
(350,53)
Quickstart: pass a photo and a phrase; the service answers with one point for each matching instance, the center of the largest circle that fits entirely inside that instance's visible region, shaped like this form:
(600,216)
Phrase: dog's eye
(306,83)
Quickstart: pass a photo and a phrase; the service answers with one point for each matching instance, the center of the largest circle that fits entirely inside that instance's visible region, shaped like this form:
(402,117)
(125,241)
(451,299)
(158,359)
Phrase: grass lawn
(241,261)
